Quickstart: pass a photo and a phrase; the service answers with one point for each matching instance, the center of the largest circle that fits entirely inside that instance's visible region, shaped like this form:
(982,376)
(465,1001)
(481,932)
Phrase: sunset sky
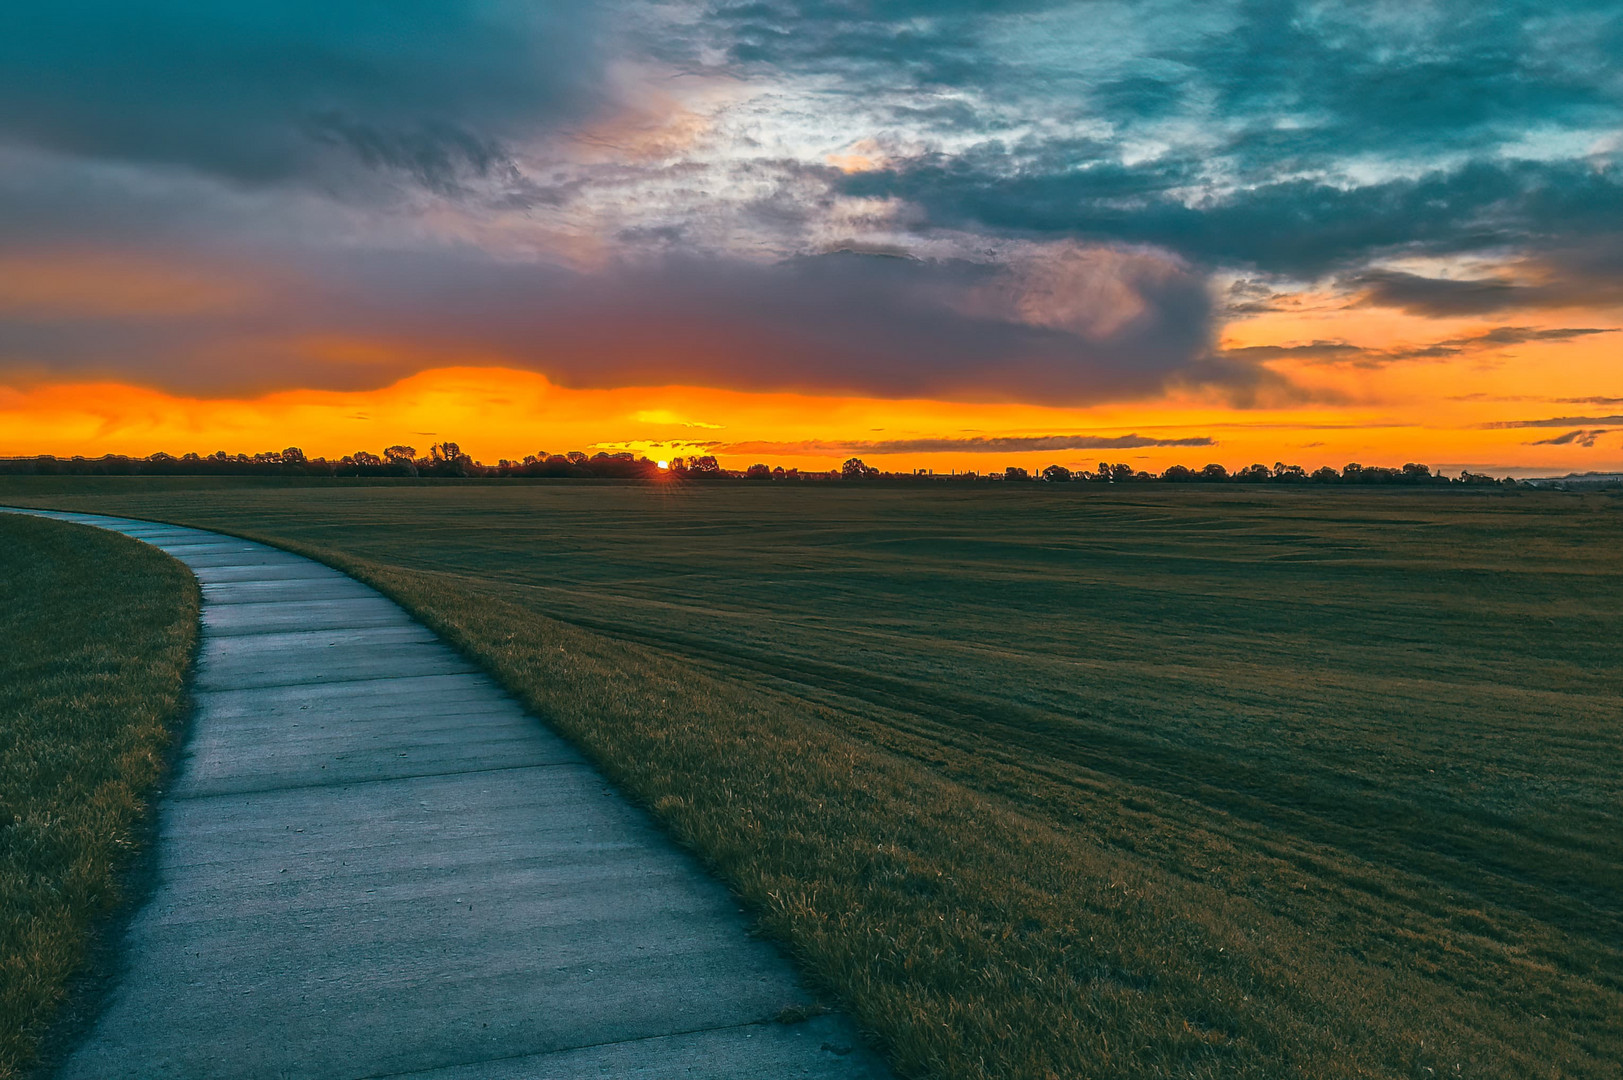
(938,234)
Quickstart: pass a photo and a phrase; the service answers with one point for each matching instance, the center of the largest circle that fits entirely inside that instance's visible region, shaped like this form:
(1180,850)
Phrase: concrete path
(373,863)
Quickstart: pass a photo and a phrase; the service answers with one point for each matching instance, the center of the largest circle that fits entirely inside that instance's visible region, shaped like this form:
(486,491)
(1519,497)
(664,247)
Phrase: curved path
(373,863)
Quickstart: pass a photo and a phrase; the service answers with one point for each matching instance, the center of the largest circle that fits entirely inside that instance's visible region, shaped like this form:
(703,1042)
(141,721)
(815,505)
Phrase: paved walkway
(372,862)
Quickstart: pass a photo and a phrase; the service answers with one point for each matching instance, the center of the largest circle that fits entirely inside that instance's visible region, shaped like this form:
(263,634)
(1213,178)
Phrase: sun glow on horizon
(496,412)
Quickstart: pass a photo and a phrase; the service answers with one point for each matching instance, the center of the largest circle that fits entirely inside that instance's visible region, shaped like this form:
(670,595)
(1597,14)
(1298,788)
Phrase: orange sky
(1435,412)
(1440,411)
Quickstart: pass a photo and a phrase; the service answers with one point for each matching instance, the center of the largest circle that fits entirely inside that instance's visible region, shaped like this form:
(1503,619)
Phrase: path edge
(88,989)
(826,999)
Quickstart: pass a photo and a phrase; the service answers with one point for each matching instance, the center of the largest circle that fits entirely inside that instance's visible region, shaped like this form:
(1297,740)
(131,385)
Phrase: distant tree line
(443,459)
(1411,474)
(446,459)
(1118,473)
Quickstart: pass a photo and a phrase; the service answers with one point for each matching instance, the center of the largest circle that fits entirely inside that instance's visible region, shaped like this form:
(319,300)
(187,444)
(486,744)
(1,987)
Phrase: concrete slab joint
(372,862)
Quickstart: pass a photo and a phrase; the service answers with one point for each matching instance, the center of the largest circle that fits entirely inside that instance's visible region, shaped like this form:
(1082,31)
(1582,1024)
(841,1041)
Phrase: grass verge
(1007,933)
(98,632)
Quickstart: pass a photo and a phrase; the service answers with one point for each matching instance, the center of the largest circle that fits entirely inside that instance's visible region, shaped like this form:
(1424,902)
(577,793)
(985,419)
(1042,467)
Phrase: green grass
(1081,781)
(98,631)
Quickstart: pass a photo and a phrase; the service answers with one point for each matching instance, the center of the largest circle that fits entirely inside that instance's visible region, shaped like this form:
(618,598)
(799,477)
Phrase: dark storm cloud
(1567,211)
(858,323)
(862,323)
(1284,93)
(1447,74)
(260,92)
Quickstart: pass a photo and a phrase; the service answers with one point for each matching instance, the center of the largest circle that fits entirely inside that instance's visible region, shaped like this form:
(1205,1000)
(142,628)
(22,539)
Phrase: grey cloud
(843,322)
(290,102)
(1294,227)
(1561,421)
(1317,350)
(1420,295)
(438,155)
(1443,76)
(1247,384)
(1289,92)
(1341,352)
(1580,437)
(1446,75)
(265,92)
(1518,335)
(858,323)
(1437,296)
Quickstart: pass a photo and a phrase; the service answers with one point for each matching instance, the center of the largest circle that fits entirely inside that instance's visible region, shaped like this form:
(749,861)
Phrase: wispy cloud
(1447,297)
(1343,352)
(1580,437)
(986,444)
(1561,421)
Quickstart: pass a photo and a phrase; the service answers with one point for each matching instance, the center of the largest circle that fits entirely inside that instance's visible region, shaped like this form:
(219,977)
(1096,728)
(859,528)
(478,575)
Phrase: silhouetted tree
(447,459)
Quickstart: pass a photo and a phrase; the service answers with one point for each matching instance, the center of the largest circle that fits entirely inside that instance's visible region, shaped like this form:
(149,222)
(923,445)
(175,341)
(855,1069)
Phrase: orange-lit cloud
(498,412)
(89,284)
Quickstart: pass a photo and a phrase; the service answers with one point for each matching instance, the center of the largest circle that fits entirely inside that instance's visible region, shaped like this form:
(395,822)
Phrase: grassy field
(98,632)
(1076,781)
